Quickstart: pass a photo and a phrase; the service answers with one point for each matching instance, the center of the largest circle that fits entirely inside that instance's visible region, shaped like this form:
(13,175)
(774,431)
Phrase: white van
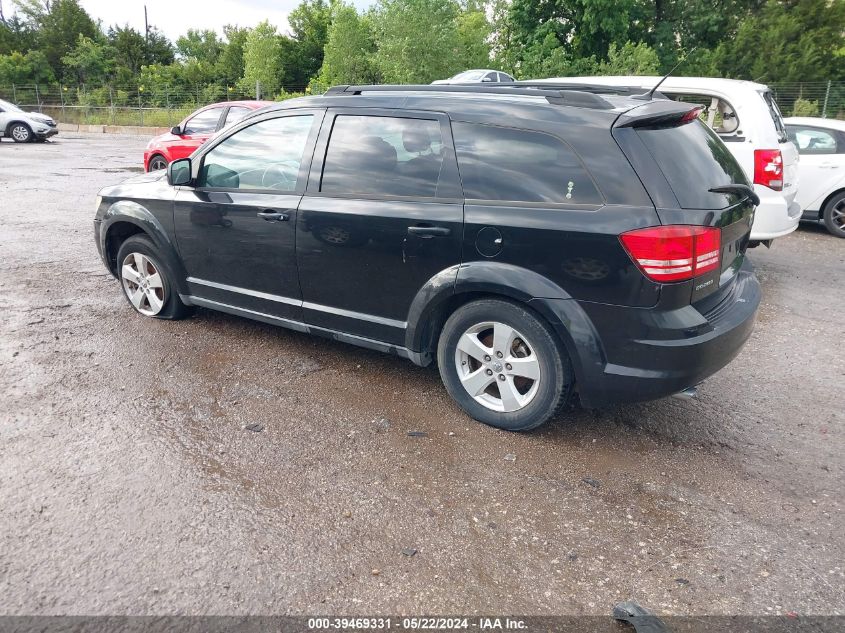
(747,119)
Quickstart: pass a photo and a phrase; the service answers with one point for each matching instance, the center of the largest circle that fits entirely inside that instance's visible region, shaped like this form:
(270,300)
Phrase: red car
(200,126)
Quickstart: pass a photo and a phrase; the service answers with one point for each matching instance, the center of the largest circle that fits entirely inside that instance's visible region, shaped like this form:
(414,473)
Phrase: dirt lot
(130,485)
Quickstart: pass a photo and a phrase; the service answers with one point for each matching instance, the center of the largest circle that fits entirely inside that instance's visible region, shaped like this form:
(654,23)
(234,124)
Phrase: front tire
(157,162)
(834,215)
(503,365)
(147,283)
(20,133)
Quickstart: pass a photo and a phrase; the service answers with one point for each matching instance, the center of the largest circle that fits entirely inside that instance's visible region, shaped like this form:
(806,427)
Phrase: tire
(834,215)
(148,295)
(522,403)
(20,132)
(157,162)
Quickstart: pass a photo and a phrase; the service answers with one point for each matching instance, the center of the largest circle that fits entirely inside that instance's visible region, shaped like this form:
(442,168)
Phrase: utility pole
(146,26)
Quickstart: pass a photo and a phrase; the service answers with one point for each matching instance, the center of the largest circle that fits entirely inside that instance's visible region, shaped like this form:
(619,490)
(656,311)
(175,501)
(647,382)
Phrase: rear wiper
(738,189)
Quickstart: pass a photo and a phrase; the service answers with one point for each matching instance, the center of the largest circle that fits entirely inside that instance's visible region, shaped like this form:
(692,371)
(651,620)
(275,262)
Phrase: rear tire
(503,365)
(20,133)
(834,215)
(147,283)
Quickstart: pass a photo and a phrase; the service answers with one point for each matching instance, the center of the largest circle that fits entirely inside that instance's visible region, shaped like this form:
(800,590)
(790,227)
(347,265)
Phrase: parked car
(745,116)
(821,143)
(195,130)
(479,75)
(533,247)
(24,127)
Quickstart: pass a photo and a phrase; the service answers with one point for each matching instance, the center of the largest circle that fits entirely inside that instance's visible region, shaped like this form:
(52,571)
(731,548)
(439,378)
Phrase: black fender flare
(131,212)
(552,302)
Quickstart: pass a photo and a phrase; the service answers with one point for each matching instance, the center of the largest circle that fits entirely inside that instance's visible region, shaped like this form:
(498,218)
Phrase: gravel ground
(130,485)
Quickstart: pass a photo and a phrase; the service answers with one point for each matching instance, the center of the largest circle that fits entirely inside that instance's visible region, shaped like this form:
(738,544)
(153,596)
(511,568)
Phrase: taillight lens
(768,168)
(674,253)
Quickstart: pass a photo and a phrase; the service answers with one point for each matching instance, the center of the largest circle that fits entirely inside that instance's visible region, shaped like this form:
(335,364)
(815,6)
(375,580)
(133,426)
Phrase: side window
(203,123)
(505,78)
(383,156)
(718,114)
(266,155)
(491,77)
(498,163)
(235,114)
(812,140)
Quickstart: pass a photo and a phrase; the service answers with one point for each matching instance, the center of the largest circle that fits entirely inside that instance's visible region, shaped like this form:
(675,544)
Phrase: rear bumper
(634,354)
(775,217)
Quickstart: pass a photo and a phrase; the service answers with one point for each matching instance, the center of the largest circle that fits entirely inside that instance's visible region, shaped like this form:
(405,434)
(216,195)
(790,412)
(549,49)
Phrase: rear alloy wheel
(157,162)
(20,133)
(834,215)
(146,283)
(503,365)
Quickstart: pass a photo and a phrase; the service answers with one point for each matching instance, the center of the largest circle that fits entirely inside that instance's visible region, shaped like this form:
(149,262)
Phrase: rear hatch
(694,180)
(789,152)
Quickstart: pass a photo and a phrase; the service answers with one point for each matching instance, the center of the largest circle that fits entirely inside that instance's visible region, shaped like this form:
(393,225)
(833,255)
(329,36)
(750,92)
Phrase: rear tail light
(674,253)
(768,168)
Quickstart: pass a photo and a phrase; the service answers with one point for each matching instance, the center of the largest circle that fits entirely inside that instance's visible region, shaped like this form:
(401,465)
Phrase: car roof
(483,100)
(833,124)
(678,83)
(251,104)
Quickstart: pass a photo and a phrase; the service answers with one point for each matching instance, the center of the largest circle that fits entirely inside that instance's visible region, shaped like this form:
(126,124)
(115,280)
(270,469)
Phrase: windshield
(469,75)
(5,105)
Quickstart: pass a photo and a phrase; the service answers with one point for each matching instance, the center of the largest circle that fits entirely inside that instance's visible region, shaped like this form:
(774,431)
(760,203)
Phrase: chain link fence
(159,106)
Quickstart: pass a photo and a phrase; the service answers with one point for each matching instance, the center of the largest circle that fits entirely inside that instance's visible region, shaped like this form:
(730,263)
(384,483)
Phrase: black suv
(535,242)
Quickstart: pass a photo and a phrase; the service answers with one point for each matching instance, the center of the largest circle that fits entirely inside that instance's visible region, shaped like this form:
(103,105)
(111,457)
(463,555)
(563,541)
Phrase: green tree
(59,24)
(203,46)
(16,35)
(130,48)
(230,63)
(30,68)
(474,34)
(302,52)
(349,50)
(788,41)
(262,59)
(631,59)
(90,61)
(418,40)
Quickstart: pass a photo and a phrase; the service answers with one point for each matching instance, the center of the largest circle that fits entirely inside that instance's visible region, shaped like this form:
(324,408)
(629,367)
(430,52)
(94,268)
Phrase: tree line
(418,41)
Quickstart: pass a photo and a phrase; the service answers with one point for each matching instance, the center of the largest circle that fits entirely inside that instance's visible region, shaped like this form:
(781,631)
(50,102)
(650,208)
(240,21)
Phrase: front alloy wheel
(142,284)
(20,133)
(158,163)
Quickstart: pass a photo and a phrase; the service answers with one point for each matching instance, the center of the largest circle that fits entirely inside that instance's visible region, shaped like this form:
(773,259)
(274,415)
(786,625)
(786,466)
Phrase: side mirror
(176,130)
(179,172)
(487,80)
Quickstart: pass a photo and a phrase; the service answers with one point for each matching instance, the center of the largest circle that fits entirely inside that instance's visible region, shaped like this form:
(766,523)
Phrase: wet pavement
(130,483)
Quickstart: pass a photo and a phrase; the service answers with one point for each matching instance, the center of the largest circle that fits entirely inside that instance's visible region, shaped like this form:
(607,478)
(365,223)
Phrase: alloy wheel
(143,284)
(498,366)
(20,133)
(837,215)
(158,163)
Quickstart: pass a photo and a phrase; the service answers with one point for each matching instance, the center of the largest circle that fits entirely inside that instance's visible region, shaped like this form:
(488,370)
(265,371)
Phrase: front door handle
(273,216)
(429,231)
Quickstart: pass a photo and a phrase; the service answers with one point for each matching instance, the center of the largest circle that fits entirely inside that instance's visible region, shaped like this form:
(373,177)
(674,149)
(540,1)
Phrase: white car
(477,76)
(821,143)
(746,117)
(24,127)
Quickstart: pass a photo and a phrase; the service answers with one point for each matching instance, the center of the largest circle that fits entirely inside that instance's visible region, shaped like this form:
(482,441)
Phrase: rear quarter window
(693,159)
(508,164)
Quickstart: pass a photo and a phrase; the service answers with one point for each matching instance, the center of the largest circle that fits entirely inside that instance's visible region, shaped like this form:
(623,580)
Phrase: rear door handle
(429,231)
(273,216)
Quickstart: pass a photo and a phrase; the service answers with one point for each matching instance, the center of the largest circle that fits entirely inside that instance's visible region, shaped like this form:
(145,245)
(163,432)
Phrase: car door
(235,229)
(822,166)
(382,215)
(196,131)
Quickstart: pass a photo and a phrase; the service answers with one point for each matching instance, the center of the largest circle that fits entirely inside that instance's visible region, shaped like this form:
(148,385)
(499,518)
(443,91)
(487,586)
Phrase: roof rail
(582,87)
(553,94)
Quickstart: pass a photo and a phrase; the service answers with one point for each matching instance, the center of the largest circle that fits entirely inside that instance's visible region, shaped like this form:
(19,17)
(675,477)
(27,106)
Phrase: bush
(805,107)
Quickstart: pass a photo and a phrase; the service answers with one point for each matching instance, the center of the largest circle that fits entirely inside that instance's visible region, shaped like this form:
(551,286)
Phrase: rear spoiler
(659,113)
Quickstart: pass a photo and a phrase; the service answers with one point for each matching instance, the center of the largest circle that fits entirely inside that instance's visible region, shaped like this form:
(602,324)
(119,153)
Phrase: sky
(175,17)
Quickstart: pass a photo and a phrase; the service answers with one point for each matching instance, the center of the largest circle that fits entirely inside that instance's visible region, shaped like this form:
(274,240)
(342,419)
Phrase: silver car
(24,127)
(478,75)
